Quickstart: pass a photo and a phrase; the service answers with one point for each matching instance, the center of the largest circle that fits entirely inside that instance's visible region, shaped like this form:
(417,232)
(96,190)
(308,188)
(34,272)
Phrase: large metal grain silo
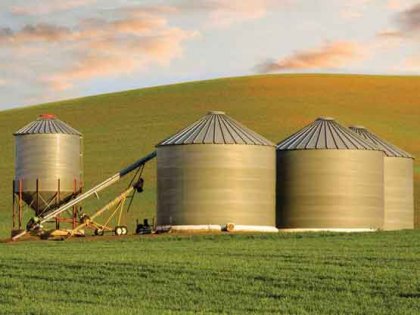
(215,172)
(398,182)
(329,178)
(48,163)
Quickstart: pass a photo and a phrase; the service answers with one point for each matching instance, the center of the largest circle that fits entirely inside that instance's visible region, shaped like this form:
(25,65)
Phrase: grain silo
(329,178)
(398,182)
(216,172)
(48,163)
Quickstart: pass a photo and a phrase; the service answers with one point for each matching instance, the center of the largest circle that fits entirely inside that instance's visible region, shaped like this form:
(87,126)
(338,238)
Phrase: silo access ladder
(101,186)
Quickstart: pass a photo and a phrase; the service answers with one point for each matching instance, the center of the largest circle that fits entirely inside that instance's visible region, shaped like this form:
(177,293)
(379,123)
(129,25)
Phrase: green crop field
(368,273)
(312,273)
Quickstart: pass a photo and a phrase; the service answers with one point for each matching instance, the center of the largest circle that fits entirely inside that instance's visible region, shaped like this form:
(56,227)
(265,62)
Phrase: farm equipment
(144,228)
(115,206)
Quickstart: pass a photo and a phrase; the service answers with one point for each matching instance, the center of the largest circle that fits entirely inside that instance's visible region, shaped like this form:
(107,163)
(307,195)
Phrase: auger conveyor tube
(106,183)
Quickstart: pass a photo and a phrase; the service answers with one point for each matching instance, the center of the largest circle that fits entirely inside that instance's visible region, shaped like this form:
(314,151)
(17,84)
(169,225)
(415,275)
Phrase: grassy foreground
(121,127)
(367,273)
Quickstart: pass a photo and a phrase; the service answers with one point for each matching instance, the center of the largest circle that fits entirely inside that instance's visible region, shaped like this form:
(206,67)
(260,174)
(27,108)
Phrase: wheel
(124,230)
(99,232)
(118,230)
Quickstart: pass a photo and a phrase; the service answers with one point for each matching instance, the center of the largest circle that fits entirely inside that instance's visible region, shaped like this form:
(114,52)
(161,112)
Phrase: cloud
(57,58)
(113,56)
(48,7)
(87,30)
(34,33)
(409,20)
(407,24)
(329,56)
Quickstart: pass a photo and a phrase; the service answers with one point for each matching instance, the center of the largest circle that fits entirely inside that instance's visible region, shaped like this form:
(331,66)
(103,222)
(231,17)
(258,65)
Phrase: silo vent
(216,112)
(47,116)
(326,118)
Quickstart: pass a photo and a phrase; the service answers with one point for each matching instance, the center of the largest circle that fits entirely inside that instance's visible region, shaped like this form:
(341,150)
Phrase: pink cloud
(95,48)
(112,48)
(329,56)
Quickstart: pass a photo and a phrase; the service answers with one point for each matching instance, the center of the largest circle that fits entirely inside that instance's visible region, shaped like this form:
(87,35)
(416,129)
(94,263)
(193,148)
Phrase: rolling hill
(119,128)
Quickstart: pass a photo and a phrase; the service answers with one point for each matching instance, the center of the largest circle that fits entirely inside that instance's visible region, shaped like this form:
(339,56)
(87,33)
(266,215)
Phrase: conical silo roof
(325,133)
(388,148)
(216,128)
(47,124)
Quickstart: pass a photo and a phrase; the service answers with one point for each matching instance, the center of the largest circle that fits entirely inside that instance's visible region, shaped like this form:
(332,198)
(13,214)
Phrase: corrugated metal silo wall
(330,189)
(216,184)
(399,193)
(48,157)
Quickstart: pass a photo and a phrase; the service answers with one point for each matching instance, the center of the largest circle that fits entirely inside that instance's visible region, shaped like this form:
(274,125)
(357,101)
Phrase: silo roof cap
(48,116)
(388,148)
(216,112)
(47,124)
(326,118)
(325,133)
(216,128)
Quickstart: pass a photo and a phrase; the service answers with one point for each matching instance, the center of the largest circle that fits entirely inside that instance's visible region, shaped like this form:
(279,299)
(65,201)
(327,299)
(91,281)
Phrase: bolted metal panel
(216,128)
(216,184)
(45,163)
(398,182)
(325,133)
(324,189)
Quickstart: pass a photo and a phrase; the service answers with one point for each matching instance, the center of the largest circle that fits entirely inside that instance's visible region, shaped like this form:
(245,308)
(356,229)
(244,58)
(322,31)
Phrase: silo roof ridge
(47,125)
(388,148)
(216,128)
(325,133)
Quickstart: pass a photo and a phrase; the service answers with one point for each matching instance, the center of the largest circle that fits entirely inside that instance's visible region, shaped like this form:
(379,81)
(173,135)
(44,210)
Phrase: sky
(53,49)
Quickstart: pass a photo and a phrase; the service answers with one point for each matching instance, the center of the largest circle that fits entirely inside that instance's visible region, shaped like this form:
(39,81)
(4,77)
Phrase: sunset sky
(55,49)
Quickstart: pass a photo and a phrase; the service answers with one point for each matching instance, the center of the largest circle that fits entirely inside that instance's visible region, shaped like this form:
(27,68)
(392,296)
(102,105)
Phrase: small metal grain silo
(398,182)
(329,178)
(215,172)
(48,163)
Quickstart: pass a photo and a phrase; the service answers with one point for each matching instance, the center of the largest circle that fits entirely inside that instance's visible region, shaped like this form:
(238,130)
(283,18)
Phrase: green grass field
(314,273)
(119,128)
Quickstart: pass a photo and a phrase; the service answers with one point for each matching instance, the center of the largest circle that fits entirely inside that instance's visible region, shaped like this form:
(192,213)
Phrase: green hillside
(119,128)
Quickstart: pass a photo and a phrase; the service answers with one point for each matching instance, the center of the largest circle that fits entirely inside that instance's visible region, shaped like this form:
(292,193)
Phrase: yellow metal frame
(116,206)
